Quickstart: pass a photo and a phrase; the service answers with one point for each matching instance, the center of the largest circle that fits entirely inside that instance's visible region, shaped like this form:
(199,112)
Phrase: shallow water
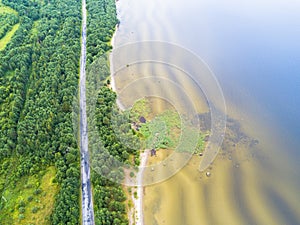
(253,49)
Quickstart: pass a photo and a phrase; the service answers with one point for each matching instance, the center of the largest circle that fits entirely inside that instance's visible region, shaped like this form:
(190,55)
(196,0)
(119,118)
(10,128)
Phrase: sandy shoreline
(138,201)
(135,215)
(112,80)
(136,193)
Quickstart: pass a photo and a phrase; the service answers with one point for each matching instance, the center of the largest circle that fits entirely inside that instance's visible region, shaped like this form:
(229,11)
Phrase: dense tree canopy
(39,74)
(109,197)
(38,80)
(101,23)
(6,23)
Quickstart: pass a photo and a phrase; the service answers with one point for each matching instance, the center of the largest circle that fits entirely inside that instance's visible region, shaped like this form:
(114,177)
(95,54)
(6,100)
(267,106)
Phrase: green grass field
(5,9)
(30,200)
(4,41)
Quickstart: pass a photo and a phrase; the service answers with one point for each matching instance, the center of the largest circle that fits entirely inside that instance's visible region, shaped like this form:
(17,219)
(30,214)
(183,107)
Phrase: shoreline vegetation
(134,204)
(134,198)
(108,196)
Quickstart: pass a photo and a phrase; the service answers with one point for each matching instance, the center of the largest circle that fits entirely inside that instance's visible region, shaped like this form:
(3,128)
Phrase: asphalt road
(87,202)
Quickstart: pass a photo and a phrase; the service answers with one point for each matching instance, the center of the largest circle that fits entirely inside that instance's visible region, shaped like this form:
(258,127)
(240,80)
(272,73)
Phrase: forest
(108,195)
(38,79)
(39,74)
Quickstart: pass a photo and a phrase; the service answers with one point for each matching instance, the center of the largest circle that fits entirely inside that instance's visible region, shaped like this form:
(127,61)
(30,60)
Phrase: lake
(253,49)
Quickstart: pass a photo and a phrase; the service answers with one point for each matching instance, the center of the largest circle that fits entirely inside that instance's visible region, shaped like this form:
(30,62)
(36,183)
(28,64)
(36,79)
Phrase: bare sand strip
(112,79)
(112,72)
(135,213)
(138,201)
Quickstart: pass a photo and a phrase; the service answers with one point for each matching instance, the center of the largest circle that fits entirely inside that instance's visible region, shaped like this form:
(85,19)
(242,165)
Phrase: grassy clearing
(6,9)
(4,41)
(31,200)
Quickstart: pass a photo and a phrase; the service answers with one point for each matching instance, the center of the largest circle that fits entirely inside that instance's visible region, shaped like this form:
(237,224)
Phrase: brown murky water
(252,181)
(237,190)
(246,185)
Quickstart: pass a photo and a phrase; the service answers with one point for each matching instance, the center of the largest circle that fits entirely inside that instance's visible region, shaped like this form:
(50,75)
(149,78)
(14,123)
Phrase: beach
(112,80)
(138,201)
(135,194)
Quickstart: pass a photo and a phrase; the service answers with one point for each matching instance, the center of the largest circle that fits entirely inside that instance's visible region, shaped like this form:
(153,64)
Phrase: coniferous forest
(39,75)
